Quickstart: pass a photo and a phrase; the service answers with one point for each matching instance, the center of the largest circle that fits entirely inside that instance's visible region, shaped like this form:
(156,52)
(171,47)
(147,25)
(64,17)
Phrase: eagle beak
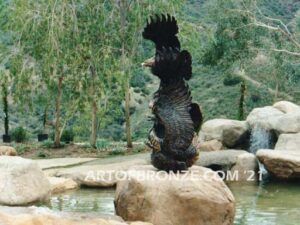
(148,62)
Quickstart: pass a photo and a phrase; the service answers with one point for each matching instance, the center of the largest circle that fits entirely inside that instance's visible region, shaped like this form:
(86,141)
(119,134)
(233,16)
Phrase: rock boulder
(281,164)
(287,107)
(239,162)
(208,146)
(282,118)
(7,150)
(21,181)
(229,132)
(288,142)
(102,175)
(60,184)
(44,216)
(197,197)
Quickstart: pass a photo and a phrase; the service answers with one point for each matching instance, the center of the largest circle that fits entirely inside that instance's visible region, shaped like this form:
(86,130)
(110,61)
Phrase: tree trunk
(5,109)
(94,124)
(45,121)
(241,102)
(127,93)
(127,115)
(57,113)
(94,110)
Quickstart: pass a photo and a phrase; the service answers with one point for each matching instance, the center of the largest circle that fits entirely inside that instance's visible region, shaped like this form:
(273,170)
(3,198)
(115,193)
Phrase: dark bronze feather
(176,118)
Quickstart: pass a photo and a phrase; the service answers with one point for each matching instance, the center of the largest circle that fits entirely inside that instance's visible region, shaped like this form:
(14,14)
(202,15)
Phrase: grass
(35,150)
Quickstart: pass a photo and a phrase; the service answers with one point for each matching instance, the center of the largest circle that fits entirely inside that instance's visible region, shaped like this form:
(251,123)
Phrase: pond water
(84,200)
(270,203)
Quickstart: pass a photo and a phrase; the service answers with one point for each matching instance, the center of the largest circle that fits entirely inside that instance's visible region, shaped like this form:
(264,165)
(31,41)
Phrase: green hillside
(224,55)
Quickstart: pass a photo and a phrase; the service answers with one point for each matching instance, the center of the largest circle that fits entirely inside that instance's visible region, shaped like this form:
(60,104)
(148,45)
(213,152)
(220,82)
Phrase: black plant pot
(6,138)
(42,137)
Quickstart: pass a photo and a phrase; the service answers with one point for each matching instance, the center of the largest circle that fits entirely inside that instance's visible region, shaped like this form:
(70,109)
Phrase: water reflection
(269,203)
(84,200)
(266,203)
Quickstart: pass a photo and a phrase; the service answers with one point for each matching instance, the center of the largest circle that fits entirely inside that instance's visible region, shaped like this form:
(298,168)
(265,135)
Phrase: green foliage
(67,136)
(41,41)
(47,144)
(117,151)
(19,134)
(41,154)
(114,132)
(102,143)
(21,148)
(50,144)
(231,80)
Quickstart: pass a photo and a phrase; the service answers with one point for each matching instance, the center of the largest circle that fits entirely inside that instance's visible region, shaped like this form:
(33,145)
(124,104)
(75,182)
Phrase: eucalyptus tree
(5,94)
(94,57)
(242,35)
(130,19)
(45,30)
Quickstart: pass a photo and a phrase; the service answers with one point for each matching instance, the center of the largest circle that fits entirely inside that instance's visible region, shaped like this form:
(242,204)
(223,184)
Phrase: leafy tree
(130,20)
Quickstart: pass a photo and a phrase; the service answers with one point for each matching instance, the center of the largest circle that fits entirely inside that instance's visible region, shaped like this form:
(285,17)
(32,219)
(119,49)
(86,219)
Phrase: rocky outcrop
(236,165)
(284,161)
(194,198)
(7,150)
(287,107)
(288,142)
(102,175)
(61,162)
(230,132)
(265,117)
(281,164)
(60,184)
(208,146)
(44,216)
(21,181)
(282,118)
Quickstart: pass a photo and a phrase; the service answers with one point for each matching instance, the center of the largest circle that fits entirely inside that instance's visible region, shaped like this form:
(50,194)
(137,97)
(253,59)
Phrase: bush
(117,151)
(67,136)
(113,132)
(102,144)
(21,149)
(231,80)
(139,79)
(50,144)
(255,97)
(47,144)
(19,134)
(42,154)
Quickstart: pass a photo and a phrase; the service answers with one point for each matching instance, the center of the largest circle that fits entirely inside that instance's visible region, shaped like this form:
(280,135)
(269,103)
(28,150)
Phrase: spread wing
(196,116)
(172,109)
(162,30)
(171,64)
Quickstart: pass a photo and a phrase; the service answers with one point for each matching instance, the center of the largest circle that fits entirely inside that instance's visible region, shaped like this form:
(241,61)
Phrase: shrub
(255,97)
(50,144)
(42,154)
(102,143)
(67,136)
(117,151)
(231,80)
(19,134)
(112,131)
(21,149)
(47,144)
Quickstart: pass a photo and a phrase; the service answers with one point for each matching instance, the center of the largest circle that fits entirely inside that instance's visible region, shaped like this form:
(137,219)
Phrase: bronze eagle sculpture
(176,118)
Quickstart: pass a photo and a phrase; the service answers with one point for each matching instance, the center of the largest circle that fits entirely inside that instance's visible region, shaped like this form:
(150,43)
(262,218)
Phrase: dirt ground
(36,150)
